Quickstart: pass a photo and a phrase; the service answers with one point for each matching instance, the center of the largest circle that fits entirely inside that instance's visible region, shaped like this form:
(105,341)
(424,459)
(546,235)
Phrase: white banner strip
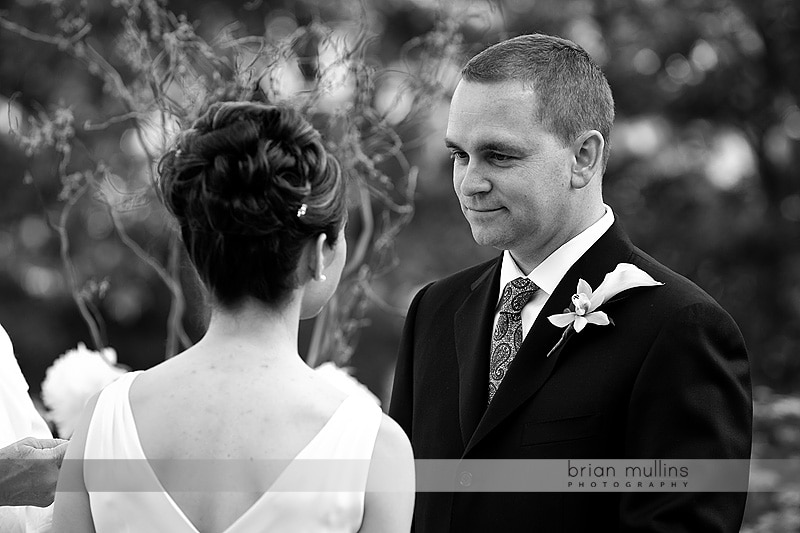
(435,475)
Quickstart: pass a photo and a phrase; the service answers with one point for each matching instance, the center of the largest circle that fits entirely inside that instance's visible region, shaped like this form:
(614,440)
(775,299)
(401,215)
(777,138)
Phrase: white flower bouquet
(72,379)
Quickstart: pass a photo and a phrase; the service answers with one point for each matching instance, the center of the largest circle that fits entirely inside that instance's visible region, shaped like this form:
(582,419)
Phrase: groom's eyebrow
(500,146)
(491,146)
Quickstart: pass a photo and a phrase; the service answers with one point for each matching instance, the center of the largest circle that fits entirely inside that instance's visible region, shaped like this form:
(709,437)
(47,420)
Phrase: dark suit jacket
(669,380)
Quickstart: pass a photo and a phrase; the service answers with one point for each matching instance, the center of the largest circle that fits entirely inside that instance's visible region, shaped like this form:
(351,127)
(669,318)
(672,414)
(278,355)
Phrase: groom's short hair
(573,94)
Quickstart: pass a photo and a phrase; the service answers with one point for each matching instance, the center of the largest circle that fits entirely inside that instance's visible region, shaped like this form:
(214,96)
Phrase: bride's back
(263,415)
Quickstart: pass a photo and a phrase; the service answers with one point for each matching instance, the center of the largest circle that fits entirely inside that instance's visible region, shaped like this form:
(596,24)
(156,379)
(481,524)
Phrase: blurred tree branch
(163,75)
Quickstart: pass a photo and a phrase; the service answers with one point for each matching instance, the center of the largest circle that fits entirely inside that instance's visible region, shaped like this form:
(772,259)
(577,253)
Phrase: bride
(261,209)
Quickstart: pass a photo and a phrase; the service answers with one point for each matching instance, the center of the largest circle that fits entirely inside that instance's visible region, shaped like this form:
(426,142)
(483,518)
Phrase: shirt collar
(547,275)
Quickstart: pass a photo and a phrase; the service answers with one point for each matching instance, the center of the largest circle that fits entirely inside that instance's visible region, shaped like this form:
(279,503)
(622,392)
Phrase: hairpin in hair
(178,152)
(302,210)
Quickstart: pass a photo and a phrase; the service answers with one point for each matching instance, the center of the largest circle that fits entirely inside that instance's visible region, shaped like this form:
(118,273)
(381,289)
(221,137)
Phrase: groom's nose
(471,180)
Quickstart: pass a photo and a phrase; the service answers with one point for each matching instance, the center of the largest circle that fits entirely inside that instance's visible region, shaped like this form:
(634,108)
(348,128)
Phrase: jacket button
(465,479)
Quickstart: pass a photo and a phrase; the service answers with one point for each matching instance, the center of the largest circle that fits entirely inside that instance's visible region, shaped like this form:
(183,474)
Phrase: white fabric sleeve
(19,419)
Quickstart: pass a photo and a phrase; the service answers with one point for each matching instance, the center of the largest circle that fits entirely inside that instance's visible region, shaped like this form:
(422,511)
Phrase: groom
(528,132)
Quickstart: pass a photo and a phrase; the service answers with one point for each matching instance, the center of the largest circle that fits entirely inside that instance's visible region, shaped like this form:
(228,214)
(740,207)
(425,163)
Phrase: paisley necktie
(507,336)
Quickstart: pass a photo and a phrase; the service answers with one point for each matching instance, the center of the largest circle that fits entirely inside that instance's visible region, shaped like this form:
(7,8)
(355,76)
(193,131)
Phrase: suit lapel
(473,329)
(531,367)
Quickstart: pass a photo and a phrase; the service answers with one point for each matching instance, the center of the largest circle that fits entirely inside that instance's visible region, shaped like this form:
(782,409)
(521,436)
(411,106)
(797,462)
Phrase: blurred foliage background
(703,173)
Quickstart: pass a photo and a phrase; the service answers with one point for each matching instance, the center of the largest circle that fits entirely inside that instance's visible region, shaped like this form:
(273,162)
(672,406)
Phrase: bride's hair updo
(249,184)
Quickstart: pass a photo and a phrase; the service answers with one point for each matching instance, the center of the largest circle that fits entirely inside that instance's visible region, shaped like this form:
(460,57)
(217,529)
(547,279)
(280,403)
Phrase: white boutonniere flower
(585,301)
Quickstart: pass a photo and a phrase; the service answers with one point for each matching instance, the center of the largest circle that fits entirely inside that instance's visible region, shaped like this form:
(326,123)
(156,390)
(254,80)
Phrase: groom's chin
(487,237)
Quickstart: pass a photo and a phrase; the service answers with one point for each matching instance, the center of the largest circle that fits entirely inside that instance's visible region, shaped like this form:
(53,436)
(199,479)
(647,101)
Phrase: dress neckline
(131,376)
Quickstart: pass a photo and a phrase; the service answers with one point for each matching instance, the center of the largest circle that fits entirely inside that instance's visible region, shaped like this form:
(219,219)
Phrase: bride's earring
(322,277)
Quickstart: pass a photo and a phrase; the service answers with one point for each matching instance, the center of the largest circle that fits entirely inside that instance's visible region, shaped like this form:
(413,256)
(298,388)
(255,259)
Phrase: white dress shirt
(547,275)
(19,419)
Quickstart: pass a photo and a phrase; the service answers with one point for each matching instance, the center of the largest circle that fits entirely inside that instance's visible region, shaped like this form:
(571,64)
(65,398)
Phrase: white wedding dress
(348,435)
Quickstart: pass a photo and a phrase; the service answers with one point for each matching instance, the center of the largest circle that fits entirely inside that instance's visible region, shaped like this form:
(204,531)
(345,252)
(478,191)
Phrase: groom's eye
(498,157)
(457,155)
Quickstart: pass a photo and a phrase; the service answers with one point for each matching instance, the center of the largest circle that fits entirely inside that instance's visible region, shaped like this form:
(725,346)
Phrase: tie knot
(517,294)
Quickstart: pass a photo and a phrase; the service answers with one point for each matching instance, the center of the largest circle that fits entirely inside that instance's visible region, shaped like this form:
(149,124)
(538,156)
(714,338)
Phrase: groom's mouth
(482,209)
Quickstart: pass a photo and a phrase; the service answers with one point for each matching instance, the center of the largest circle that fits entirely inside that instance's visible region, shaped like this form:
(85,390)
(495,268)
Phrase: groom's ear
(587,158)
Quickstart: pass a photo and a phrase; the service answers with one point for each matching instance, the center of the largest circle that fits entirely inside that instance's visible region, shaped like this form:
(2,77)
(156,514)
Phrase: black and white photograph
(390,266)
